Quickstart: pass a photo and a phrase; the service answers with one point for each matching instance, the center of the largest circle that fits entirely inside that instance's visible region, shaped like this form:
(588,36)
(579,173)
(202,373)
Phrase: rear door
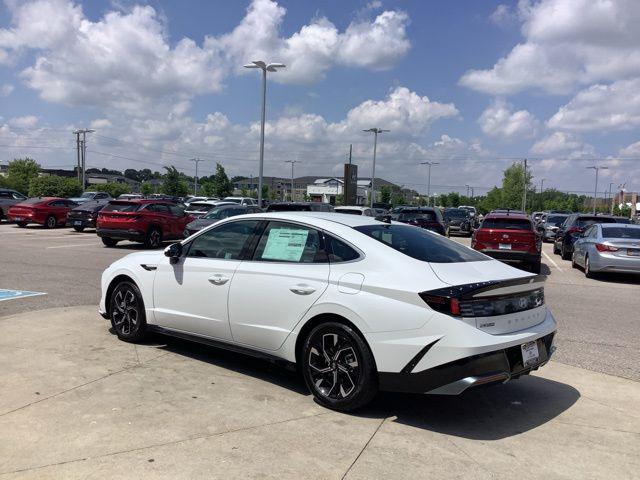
(270,293)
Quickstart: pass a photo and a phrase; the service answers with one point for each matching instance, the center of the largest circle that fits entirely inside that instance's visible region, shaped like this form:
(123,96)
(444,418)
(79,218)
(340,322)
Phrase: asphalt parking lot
(77,403)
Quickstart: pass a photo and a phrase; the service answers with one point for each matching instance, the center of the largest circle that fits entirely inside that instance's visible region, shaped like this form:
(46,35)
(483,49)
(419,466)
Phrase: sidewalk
(78,403)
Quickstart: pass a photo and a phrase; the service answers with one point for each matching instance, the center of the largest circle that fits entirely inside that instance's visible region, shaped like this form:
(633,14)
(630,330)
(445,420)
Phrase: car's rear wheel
(574,264)
(50,222)
(153,238)
(78,229)
(127,312)
(587,268)
(556,250)
(22,224)
(109,242)
(563,252)
(338,367)
(535,266)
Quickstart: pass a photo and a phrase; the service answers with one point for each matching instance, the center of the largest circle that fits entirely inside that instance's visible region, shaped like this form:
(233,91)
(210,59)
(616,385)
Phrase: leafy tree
(243,192)
(114,189)
(340,199)
(397,198)
(173,183)
(513,182)
(237,178)
(222,186)
(266,194)
(385,194)
(146,188)
(54,186)
(20,172)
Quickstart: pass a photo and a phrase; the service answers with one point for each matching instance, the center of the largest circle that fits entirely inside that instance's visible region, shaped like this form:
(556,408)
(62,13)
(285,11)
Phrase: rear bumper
(121,234)
(498,366)
(612,263)
(83,222)
(512,255)
(26,218)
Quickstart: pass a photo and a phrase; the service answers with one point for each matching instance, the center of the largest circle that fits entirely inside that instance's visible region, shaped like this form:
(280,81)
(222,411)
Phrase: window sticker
(285,244)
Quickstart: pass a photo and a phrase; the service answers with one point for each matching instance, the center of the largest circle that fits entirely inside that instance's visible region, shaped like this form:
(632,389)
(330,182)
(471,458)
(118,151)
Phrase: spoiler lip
(471,291)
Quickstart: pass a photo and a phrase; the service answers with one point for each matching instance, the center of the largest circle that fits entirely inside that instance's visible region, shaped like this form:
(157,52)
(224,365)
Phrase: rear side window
(176,210)
(350,211)
(288,242)
(420,244)
(621,232)
(121,207)
(339,251)
(506,224)
(410,216)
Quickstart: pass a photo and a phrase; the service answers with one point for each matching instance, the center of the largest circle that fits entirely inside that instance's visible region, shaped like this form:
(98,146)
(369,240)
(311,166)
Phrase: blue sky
(468,84)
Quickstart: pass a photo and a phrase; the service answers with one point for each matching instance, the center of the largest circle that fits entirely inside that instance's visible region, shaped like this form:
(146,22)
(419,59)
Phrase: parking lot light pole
(292,162)
(375,131)
(595,190)
(195,185)
(429,164)
(271,67)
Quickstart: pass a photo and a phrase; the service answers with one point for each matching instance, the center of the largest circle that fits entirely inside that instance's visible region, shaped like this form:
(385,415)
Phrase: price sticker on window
(285,244)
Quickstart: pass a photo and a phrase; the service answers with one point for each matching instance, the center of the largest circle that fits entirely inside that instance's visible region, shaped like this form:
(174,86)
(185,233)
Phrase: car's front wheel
(127,312)
(109,242)
(338,367)
(50,222)
(153,238)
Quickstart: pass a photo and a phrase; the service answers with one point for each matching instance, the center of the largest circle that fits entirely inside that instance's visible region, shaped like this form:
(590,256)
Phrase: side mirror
(173,251)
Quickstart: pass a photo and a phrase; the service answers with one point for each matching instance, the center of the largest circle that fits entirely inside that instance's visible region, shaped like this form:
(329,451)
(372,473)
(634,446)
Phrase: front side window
(225,242)
(420,244)
(288,242)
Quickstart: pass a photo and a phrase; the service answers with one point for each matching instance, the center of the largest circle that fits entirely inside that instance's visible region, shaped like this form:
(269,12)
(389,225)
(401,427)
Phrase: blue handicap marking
(13,294)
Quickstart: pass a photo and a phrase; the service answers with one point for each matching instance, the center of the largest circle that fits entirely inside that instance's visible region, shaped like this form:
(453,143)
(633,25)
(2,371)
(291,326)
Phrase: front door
(272,291)
(191,295)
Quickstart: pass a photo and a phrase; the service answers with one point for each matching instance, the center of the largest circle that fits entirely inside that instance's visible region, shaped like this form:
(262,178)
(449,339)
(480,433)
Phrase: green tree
(54,186)
(146,188)
(513,182)
(385,194)
(20,172)
(173,183)
(114,189)
(340,199)
(222,186)
(397,198)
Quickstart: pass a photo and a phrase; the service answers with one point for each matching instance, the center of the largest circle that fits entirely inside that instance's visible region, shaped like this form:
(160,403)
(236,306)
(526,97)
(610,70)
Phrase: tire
(573,261)
(587,268)
(109,242)
(153,238)
(79,229)
(22,224)
(556,250)
(50,222)
(338,367)
(126,309)
(563,253)
(535,267)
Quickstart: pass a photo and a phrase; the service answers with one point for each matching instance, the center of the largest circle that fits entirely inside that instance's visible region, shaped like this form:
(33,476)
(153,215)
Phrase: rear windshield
(621,232)
(288,208)
(200,206)
(32,201)
(420,244)
(410,216)
(506,224)
(349,211)
(121,207)
(456,213)
(586,221)
(554,219)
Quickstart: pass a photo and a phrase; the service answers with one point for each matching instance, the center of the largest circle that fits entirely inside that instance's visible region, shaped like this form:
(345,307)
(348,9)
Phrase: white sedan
(357,305)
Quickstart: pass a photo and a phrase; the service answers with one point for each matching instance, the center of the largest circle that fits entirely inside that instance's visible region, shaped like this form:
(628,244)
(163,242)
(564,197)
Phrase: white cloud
(125,60)
(6,89)
(500,121)
(566,43)
(27,121)
(503,15)
(562,143)
(632,150)
(601,108)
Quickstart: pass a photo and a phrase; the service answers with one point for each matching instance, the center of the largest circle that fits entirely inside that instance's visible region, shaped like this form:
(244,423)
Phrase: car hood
(473,272)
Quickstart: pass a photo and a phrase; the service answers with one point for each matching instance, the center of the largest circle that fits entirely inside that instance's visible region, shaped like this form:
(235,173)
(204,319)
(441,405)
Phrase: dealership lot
(77,402)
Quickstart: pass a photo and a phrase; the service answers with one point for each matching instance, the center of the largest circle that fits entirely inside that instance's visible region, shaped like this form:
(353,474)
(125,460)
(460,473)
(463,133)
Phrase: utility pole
(195,186)
(524,193)
(429,164)
(375,131)
(468,186)
(83,149)
(541,192)
(77,134)
(292,162)
(350,151)
(595,190)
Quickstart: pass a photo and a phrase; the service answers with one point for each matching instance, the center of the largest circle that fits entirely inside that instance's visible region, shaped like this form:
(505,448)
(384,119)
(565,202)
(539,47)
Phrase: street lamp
(375,131)
(292,162)
(271,67)
(468,187)
(429,164)
(595,190)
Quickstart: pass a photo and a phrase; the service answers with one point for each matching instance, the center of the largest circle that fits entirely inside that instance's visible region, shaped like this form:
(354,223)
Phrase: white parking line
(68,246)
(552,261)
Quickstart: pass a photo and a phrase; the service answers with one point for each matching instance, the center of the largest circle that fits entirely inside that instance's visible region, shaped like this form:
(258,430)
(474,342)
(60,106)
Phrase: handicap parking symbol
(13,294)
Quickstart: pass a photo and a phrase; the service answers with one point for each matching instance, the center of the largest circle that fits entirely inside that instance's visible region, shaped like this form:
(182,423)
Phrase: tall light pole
(195,184)
(271,67)
(541,192)
(375,131)
(595,190)
(84,152)
(468,187)
(292,162)
(429,164)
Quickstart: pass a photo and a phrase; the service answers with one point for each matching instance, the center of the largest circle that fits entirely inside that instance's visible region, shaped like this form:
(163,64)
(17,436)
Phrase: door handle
(302,289)
(218,279)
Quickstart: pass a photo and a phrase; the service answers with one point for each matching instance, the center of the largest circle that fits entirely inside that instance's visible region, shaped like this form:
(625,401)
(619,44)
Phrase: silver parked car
(549,224)
(7,199)
(608,247)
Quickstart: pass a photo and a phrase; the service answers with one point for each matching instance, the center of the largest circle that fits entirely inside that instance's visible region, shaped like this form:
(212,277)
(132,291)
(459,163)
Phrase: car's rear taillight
(450,306)
(485,306)
(575,230)
(601,247)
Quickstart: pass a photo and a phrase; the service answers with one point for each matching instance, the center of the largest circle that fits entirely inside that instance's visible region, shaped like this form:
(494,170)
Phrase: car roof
(347,220)
(519,216)
(351,207)
(140,200)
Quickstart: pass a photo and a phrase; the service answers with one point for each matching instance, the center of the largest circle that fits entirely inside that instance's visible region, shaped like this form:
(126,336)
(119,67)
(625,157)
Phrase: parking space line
(552,261)
(14,294)
(68,246)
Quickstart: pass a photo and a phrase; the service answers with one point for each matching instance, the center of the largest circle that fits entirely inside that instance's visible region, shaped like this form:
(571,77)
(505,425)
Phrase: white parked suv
(355,304)
(242,200)
(366,211)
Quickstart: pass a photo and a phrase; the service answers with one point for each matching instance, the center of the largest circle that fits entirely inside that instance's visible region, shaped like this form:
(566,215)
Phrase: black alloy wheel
(22,224)
(153,238)
(127,312)
(50,222)
(109,242)
(338,367)
(78,229)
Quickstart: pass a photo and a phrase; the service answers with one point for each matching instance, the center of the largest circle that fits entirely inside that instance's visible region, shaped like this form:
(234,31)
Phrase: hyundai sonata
(357,305)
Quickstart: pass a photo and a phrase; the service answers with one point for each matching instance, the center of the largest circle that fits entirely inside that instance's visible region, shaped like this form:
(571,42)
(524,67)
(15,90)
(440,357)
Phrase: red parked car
(49,212)
(147,221)
(509,237)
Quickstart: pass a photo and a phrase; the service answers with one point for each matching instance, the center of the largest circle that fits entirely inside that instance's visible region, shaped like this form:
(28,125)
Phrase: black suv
(84,215)
(573,226)
(459,220)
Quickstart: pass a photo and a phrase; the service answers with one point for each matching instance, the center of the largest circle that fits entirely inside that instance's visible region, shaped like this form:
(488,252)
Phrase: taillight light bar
(601,247)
